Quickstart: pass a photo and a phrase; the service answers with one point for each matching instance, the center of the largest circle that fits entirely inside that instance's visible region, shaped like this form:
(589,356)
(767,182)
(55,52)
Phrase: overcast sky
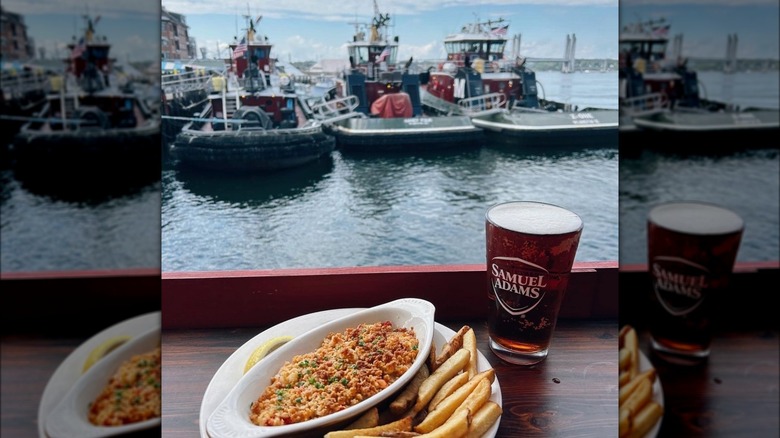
(313,29)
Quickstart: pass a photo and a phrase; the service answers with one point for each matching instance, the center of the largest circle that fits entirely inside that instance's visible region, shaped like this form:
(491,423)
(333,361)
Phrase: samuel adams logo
(518,285)
(679,284)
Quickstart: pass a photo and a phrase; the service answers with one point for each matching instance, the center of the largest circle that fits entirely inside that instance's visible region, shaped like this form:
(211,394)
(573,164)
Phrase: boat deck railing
(483,105)
(16,85)
(334,110)
(177,83)
(645,104)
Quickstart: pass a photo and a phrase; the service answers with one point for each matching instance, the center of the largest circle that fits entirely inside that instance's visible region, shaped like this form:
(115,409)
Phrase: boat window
(359,54)
(495,49)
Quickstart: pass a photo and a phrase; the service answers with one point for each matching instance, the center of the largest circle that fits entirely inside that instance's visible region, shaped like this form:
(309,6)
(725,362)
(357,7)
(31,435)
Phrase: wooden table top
(735,393)
(573,393)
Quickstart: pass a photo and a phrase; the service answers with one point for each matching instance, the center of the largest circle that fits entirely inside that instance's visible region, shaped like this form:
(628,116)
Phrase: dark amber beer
(530,252)
(691,249)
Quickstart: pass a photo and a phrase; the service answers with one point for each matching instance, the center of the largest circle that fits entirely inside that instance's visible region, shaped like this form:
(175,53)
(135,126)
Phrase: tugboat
(388,114)
(661,98)
(91,124)
(256,118)
(501,95)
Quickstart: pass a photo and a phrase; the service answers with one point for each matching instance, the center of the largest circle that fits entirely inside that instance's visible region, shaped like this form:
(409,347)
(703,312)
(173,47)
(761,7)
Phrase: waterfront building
(16,44)
(176,42)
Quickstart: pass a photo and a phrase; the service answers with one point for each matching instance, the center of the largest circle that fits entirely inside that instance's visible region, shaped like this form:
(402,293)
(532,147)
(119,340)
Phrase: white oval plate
(69,370)
(231,418)
(658,394)
(232,369)
(70,417)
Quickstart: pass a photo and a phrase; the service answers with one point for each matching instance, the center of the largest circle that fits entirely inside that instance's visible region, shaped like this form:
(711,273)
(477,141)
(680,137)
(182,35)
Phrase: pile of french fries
(638,411)
(447,398)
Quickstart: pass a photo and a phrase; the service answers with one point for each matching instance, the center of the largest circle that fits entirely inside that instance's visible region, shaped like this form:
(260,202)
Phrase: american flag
(240,49)
(661,31)
(78,49)
(499,31)
(385,53)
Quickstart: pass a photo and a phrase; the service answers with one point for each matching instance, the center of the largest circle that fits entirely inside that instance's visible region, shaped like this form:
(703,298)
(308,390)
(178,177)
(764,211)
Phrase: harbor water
(390,209)
(399,209)
(746,181)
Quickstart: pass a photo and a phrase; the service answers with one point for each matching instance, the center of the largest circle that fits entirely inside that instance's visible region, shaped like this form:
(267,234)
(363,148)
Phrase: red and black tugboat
(389,115)
(256,119)
(501,95)
(93,123)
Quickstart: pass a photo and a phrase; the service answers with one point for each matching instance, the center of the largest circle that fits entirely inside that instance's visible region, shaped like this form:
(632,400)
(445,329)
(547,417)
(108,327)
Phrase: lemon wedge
(264,349)
(103,349)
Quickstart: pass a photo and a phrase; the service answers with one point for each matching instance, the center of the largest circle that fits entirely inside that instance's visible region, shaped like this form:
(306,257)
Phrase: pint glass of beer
(530,252)
(691,248)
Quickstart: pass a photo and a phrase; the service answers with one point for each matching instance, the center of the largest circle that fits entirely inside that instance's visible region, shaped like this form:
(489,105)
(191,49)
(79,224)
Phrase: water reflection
(245,190)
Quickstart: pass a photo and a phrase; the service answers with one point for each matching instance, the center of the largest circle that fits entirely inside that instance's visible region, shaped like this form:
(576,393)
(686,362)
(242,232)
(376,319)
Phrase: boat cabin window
(98,52)
(375,51)
(651,50)
(258,53)
(359,54)
(485,49)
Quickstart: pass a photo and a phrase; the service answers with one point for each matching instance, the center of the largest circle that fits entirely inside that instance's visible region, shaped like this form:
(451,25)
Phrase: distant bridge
(727,64)
(568,61)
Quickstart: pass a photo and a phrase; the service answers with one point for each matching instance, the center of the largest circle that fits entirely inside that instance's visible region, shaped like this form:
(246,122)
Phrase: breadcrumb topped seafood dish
(346,369)
(132,394)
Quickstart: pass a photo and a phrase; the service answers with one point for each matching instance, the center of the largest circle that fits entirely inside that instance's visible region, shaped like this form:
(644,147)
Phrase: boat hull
(596,128)
(400,134)
(260,150)
(137,148)
(700,132)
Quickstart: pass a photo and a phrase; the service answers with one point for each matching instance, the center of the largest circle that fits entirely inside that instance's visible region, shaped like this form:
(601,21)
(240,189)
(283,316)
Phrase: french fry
(639,398)
(434,382)
(431,357)
(624,423)
(456,426)
(369,419)
(408,396)
(631,342)
(483,419)
(402,425)
(399,434)
(624,377)
(638,412)
(622,333)
(449,405)
(454,344)
(645,419)
(629,388)
(489,374)
(624,358)
(470,344)
(447,389)
(477,398)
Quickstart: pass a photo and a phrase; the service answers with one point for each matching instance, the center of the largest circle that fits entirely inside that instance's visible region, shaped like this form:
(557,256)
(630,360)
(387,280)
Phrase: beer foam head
(695,218)
(534,218)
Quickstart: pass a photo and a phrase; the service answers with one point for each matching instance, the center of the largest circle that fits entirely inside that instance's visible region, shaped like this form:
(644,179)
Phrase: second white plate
(69,371)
